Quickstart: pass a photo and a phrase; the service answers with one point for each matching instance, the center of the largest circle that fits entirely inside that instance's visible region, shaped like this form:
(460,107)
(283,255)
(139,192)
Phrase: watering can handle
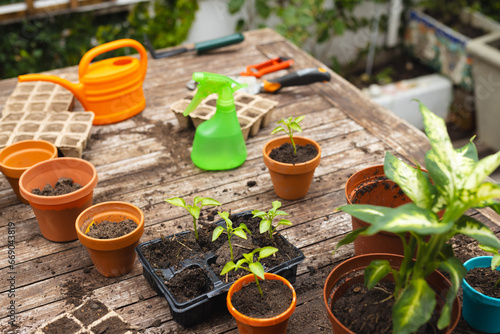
(118,44)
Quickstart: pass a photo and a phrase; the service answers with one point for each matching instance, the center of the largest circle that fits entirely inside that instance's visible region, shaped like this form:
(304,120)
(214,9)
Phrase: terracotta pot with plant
(458,184)
(17,157)
(110,231)
(58,190)
(291,174)
(250,292)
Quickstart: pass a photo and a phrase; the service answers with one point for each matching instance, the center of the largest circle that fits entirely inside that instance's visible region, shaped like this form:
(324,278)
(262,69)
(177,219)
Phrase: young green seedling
(194,210)
(291,125)
(266,224)
(230,231)
(255,267)
(495,261)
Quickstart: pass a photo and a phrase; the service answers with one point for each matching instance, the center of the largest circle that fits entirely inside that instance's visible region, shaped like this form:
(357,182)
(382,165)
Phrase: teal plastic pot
(480,311)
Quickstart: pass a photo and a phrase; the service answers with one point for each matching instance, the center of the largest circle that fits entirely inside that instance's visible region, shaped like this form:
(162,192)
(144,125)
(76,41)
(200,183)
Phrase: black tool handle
(303,77)
(218,42)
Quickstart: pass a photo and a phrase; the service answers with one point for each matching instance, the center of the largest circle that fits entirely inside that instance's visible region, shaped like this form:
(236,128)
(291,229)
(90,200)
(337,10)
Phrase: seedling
(194,210)
(255,267)
(291,125)
(495,261)
(230,231)
(266,224)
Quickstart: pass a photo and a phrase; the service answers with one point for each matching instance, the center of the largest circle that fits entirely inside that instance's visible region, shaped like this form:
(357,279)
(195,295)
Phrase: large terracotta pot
(290,181)
(249,325)
(342,277)
(15,159)
(56,215)
(371,186)
(111,257)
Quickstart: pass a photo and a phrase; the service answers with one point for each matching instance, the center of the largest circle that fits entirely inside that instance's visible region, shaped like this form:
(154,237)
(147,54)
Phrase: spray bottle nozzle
(210,83)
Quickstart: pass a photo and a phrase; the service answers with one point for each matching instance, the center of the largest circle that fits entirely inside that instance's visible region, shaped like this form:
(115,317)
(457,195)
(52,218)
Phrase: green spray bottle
(218,142)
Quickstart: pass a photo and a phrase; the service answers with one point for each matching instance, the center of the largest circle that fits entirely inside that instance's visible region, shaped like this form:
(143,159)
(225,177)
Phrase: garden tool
(200,47)
(110,88)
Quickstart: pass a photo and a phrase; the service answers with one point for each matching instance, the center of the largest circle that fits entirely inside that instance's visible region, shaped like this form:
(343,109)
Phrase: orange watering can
(110,88)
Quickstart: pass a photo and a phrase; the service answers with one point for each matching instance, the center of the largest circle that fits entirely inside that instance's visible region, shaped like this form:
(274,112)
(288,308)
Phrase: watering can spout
(77,89)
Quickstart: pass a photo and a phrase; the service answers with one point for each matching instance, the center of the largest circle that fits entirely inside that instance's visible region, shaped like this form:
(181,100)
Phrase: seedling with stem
(194,210)
(230,231)
(255,267)
(266,223)
(291,125)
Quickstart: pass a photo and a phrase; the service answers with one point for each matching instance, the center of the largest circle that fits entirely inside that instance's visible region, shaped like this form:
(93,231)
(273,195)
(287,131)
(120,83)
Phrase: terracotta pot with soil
(371,186)
(110,231)
(291,180)
(259,324)
(15,159)
(58,190)
(481,309)
(347,279)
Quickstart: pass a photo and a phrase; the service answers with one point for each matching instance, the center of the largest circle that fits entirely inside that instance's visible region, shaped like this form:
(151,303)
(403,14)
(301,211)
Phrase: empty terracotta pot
(17,157)
(111,257)
(56,215)
(291,181)
(249,325)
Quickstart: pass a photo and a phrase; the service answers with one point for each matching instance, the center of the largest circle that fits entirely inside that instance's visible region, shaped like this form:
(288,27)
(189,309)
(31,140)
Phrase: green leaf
(476,230)
(257,213)
(262,8)
(295,127)
(177,201)
(365,212)
(284,222)
(240,233)
(235,6)
(276,205)
(487,191)
(217,232)
(414,307)
(264,226)
(411,180)
(299,119)
(257,269)
(245,228)
(267,251)
(457,272)
(209,201)
(482,170)
(278,129)
(225,215)
(495,261)
(441,175)
(193,211)
(350,237)
(489,249)
(377,270)
(228,267)
(281,213)
(241,262)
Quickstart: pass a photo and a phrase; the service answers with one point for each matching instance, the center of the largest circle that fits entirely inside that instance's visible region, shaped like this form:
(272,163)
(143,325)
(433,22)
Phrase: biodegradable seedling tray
(199,309)
(254,112)
(69,131)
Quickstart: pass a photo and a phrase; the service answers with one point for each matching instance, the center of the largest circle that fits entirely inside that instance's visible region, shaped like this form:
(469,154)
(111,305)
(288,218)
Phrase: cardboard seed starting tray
(69,131)
(92,317)
(40,96)
(254,112)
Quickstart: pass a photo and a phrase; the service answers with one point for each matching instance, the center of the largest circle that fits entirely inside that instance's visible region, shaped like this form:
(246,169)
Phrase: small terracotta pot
(290,181)
(342,277)
(16,158)
(111,257)
(56,215)
(249,325)
(370,186)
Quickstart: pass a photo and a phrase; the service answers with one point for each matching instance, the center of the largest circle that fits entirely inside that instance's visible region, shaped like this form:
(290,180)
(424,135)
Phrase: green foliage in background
(47,42)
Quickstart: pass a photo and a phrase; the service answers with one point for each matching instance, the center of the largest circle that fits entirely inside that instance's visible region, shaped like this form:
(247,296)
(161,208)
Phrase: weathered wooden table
(145,160)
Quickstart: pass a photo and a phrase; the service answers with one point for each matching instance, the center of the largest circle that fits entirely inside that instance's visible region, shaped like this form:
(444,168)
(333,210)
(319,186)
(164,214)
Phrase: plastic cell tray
(197,310)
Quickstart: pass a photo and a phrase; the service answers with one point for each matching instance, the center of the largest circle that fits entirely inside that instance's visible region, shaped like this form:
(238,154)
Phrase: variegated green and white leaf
(414,307)
(350,237)
(375,271)
(457,272)
(365,212)
(476,230)
(482,169)
(441,175)
(486,191)
(411,180)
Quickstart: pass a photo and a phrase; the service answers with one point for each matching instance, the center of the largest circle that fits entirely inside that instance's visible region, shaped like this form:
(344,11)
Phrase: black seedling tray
(197,310)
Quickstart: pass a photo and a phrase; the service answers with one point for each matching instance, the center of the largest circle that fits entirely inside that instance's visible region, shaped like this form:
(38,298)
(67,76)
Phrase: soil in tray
(91,311)
(276,299)
(111,230)
(366,311)
(284,153)
(63,325)
(189,284)
(63,186)
(483,280)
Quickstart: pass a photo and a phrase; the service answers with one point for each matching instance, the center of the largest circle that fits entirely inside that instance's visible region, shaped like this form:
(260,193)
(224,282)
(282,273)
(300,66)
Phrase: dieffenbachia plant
(230,231)
(291,124)
(266,223)
(195,209)
(455,182)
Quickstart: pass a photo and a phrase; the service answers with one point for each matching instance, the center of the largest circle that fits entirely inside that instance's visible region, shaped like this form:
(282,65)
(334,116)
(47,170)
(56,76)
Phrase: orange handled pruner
(271,65)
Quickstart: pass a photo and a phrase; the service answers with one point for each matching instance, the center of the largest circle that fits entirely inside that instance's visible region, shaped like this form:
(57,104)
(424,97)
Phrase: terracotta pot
(111,257)
(56,215)
(338,282)
(249,325)
(16,158)
(370,186)
(291,181)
